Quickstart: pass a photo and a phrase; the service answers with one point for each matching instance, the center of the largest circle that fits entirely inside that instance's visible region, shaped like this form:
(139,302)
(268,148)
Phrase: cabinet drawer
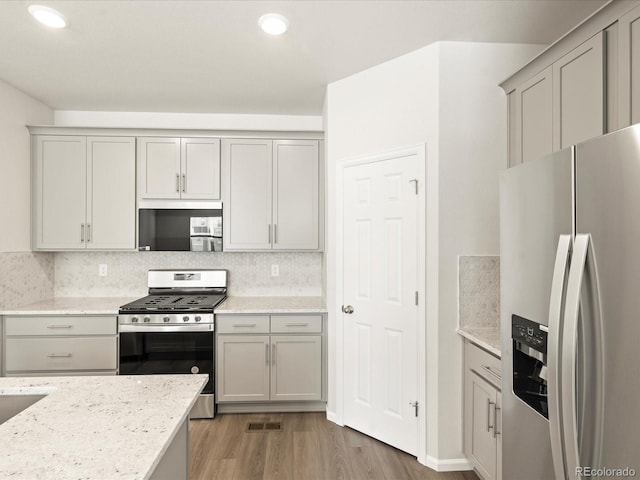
(61,325)
(62,353)
(296,323)
(484,364)
(242,323)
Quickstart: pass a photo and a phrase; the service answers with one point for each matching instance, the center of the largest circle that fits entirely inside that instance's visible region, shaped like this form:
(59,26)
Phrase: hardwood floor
(308,447)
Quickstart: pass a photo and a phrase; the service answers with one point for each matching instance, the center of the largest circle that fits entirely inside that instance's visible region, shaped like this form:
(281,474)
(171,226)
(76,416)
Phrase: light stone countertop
(487,338)
(72,306)
(272,305)
(111,427)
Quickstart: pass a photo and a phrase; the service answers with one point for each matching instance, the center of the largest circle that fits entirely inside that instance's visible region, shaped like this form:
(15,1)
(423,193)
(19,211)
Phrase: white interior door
(380,283)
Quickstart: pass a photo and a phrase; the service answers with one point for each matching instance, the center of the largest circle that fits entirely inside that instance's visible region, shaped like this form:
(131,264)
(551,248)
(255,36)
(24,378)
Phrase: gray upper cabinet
(179,168)
(272,194)
(534,117)
(247,166)
(578,92)
(584,85)
(296,184)
(629,68)
(84,191)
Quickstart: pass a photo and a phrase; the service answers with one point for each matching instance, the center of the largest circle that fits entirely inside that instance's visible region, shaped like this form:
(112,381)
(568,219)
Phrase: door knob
(348,309)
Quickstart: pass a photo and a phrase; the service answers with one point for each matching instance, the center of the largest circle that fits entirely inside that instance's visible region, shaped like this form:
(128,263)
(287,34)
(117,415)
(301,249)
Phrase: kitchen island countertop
(272,305)
(72,306)
(110,427)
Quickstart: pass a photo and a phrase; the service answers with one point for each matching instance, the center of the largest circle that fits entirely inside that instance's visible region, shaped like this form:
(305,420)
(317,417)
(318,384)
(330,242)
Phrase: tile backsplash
(76,273)
(479,291)
(25,277)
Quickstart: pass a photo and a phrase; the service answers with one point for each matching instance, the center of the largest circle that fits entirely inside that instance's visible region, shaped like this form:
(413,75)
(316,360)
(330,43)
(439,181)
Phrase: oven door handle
(203,327)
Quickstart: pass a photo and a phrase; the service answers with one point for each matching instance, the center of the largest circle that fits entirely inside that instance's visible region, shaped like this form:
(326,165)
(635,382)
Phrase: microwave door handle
(556,303)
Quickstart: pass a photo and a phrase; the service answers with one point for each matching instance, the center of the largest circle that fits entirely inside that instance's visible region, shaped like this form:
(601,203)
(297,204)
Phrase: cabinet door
(629,68)
(480,420)
(242,368)
(534,118)
(578,92)
(111,193)
(295,195)
(296,367)
(159,167)
(248,194)
(60,192)
(200,165)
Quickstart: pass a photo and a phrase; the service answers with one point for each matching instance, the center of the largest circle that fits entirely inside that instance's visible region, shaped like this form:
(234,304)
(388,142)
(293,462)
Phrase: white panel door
(296,367)
(159,167)
(380,283)
(248,194)
(61,182)
(295,195)
(200,168)
(111,196)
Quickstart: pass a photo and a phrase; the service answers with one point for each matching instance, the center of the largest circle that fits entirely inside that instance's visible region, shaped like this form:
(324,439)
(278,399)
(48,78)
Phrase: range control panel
(529,333)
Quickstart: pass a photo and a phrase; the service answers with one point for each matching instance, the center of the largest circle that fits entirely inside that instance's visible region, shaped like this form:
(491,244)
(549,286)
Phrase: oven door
(167,350)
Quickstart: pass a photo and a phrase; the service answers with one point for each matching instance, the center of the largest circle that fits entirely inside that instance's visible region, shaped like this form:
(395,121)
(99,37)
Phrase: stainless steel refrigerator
(570,312)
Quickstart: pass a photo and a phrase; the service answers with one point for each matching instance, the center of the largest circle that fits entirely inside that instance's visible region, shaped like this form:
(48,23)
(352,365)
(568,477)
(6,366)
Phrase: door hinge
(415,406)
(416,298)
(415,184)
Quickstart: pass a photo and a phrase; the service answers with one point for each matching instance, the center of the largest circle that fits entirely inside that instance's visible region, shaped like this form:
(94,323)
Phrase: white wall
(447,96)
(213,121)
(473,149)
(17,110)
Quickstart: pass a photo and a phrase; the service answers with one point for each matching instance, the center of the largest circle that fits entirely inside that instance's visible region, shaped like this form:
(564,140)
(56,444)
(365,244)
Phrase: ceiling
(211,57)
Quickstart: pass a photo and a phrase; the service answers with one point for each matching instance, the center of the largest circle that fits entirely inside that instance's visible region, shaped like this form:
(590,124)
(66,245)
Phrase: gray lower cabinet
(262,358)
(482,407)
(60,345)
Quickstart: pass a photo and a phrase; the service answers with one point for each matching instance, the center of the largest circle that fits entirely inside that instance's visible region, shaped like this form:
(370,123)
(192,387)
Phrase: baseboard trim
(271,407)
(448,465)
(333,417)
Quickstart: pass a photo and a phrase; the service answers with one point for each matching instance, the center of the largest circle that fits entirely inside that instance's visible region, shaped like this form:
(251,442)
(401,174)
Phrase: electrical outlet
(275,270)
(102,270)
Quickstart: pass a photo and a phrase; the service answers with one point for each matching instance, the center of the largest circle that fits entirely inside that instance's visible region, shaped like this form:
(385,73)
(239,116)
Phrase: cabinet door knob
(348,309)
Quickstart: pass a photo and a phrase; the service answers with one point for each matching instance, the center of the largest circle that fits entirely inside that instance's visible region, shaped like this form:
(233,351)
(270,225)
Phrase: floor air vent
(264,426)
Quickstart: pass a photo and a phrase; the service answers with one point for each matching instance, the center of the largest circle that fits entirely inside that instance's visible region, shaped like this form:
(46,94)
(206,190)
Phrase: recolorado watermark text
(605,472)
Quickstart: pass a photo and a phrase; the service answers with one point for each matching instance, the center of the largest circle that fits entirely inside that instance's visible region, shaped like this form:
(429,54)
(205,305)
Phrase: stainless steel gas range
(171,330)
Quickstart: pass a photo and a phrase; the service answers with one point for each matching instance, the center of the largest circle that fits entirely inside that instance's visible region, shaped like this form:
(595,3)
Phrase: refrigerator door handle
(583,270)
(554,352)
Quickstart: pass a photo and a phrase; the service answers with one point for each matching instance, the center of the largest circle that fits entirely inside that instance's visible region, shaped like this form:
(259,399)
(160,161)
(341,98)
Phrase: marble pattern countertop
(272,305)
(94,427)
(487,338)
(72,306)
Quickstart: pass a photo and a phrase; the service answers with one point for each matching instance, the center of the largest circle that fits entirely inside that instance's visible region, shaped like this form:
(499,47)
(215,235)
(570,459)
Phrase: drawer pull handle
(492,372)
(59,326)
(244,324)
(58,355)
(301,324)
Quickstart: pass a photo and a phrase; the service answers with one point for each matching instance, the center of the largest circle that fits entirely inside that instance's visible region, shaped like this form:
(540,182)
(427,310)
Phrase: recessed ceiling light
(273,23)
(47,16)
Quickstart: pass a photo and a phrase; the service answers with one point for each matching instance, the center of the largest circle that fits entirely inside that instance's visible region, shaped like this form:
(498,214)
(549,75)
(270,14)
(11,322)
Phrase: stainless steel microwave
(180,230)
